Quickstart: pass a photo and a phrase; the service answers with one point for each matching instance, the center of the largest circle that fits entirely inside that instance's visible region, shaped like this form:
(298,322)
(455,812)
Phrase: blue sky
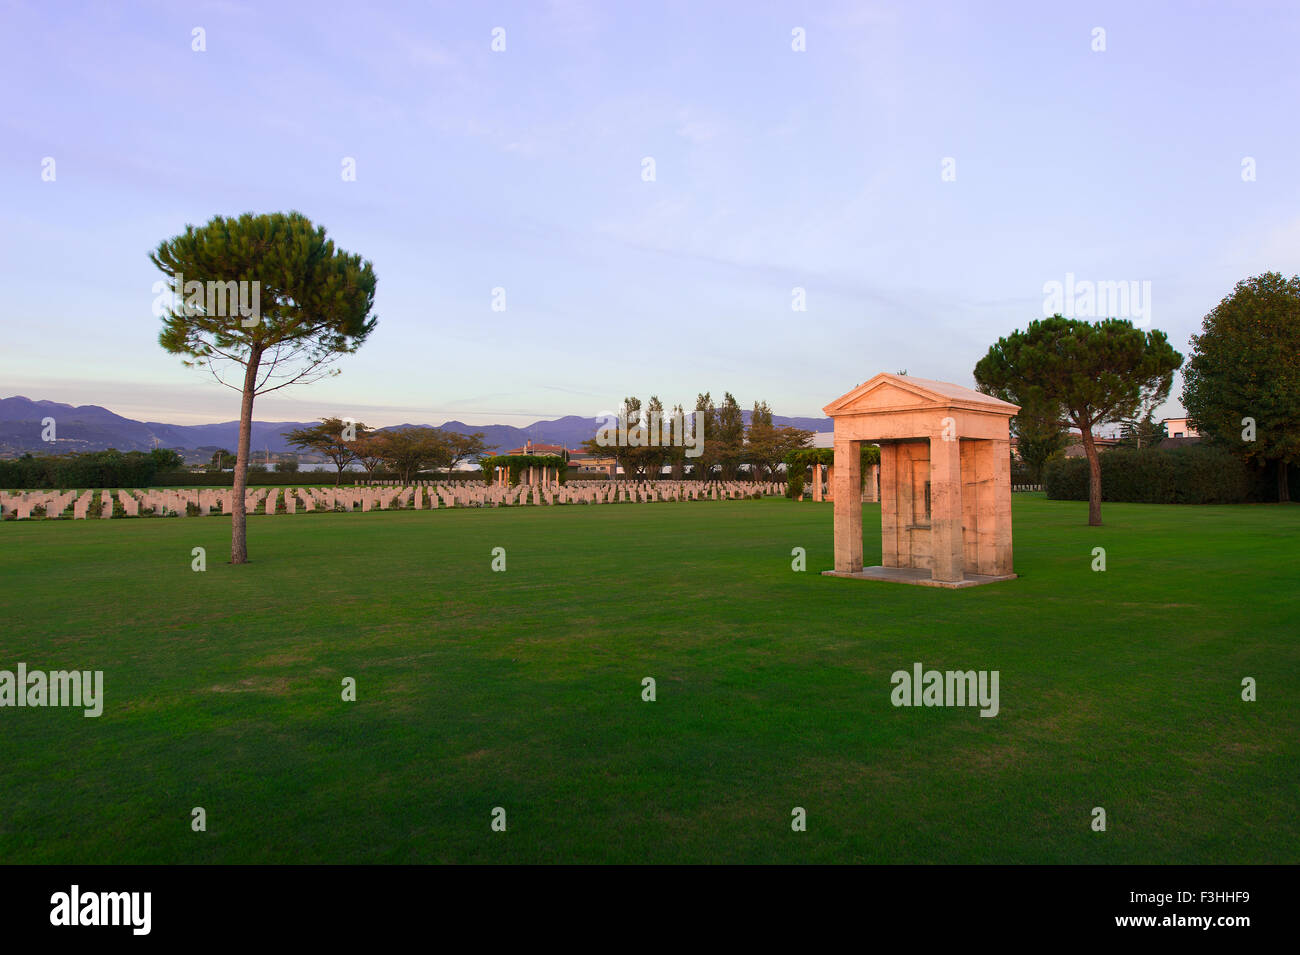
(522,169)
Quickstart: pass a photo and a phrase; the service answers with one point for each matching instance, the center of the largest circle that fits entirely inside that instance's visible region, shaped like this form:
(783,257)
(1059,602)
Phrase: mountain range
(92,428)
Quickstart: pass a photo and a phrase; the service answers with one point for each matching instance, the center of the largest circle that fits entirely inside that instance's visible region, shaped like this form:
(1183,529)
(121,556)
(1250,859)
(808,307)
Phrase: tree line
(1241,386)
(710,441)
(403,451)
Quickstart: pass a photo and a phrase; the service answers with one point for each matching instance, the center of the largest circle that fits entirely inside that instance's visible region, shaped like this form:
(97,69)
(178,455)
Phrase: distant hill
(92,428)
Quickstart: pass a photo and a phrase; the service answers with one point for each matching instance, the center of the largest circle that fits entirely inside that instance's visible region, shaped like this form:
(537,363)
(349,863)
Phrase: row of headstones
(179,502)
(131,502)
(425,496)
(765,487)
(468,481)
(21,504)
(381,497)
(597,492)
(164,502)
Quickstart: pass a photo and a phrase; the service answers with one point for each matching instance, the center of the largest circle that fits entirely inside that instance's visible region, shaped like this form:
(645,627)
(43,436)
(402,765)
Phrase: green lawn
(523,690)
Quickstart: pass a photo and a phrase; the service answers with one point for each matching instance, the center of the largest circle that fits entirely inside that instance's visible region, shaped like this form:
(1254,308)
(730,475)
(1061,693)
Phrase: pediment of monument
(890,393)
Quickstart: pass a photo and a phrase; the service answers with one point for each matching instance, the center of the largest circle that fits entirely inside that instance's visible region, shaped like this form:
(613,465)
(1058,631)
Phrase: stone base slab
(918,576)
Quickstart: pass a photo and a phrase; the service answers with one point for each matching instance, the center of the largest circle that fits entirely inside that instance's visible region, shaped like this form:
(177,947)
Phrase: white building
(1179,428)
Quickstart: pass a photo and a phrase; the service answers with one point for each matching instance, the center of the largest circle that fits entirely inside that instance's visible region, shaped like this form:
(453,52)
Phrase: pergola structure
(869,487)
(536,474)
(945,481)
(541,476)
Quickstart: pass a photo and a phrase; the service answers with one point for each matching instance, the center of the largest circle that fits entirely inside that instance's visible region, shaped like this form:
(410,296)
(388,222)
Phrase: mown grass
(523,689)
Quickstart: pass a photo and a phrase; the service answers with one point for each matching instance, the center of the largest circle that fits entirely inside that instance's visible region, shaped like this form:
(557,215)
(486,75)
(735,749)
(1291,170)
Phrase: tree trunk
(1283,483)
(239,517)
(1094,475)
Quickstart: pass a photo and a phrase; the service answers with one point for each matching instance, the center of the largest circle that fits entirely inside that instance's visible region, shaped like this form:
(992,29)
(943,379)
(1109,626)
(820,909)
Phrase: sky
(920,170)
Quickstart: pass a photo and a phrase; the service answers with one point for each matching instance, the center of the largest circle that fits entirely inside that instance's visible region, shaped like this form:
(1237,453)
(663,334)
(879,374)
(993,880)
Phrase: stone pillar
(945,509)
(830,482)
(978,496)
(848,512)
(889,478)
(817,482)
(1001,495)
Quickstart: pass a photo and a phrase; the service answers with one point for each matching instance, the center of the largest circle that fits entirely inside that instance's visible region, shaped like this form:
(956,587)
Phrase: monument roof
(890,392)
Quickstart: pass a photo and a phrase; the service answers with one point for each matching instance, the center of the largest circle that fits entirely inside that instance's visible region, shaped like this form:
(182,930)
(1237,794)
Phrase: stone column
(817,482)
(945,509)
(978,497)
(889,478)
(1001,494)
(830,482)
(848,512)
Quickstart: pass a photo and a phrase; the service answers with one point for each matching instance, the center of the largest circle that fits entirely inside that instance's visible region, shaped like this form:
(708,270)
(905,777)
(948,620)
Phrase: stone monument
(945,482)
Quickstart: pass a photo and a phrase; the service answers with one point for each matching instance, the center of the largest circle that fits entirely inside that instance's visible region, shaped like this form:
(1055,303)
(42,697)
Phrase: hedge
(1265,482)
(255,478)
(93,469)
(295,478)
(1021,473)
(1196,474)
(807,457)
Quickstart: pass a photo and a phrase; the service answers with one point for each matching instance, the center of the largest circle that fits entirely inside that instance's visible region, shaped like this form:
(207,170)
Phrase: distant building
(557,450)
(1074,447)
(582,463)
(1180,428)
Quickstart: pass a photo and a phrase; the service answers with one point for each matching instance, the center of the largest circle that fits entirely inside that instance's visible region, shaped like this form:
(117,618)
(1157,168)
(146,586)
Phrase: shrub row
(261,478)
(256,478)
(1197,474)
(94,469)
(1022,473)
